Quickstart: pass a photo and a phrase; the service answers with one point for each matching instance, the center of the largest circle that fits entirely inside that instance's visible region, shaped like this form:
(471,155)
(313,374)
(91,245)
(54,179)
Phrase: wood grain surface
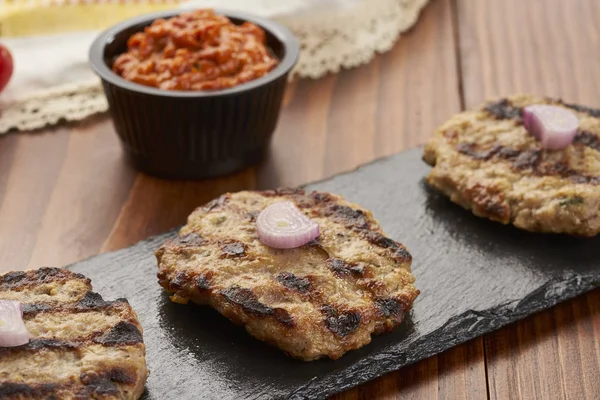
(66,194)
(547,47)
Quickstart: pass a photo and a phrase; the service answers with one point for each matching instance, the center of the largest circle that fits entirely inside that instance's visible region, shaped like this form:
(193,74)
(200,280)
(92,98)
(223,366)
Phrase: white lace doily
(333,34)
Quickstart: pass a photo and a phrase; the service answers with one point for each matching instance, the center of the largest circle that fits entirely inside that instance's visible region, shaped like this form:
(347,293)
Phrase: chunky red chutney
(197,50)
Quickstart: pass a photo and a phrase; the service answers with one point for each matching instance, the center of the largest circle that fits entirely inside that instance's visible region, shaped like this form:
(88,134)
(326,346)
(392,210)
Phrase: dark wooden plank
(548,47)
(35,164)
(394,103)
(92,184)
(340,121)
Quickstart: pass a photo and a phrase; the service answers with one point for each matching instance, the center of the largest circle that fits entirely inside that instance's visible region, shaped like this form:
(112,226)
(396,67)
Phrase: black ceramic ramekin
(200,134)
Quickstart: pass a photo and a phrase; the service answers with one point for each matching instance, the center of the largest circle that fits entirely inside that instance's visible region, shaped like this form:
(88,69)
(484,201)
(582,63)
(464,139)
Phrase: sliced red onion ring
(12,329)
(555,127)
(283,226)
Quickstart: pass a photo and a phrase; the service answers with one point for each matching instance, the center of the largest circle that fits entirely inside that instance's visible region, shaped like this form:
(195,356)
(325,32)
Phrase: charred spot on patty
(283,191)
(34,308)
(16,279)
(105,383)
(233,248)
(489,202)
(503,109)
(293,282)
(92,300)
(13,279)
(339,322)
(203,281)
(191,239)
(592,112)
(347,216)
(468,149)
(122,333)
(587,139)
(528,159)
(390,308)
(248,301)
(180,280)
(48,343)
(286,191)
(399,252)
(342,268)
(322,197)
(9,389)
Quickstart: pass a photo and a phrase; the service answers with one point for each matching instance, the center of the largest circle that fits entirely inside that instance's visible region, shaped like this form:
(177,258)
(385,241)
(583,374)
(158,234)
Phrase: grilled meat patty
(321,299)
(486,161)
(81,346)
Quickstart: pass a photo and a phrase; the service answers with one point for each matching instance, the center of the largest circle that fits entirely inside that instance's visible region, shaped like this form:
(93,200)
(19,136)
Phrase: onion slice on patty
(555,127)
(283,226)
(12,329)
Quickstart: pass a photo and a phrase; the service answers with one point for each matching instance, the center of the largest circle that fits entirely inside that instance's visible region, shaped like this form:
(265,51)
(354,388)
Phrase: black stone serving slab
(474,275)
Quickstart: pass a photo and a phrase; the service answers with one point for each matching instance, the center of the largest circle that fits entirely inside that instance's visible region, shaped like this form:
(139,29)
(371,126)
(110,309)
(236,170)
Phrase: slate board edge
(489,320)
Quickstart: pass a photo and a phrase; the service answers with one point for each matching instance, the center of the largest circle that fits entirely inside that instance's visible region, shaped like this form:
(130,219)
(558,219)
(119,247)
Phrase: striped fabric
(42,17)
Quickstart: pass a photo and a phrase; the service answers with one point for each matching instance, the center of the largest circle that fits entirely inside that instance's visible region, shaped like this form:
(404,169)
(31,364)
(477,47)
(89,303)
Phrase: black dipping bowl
(194,134)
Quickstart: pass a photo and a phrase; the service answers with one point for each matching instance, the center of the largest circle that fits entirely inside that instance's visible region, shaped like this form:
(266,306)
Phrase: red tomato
(6,66)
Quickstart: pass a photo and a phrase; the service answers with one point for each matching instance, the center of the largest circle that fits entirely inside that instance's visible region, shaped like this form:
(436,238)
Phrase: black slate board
(474,275)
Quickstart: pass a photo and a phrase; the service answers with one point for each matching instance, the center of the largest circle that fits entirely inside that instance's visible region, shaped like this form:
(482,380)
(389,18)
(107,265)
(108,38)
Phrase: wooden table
(65,193)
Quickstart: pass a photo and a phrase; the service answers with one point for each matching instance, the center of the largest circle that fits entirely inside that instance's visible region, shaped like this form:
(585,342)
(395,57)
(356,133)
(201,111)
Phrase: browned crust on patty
(81,346)
(322,299)
(486,161)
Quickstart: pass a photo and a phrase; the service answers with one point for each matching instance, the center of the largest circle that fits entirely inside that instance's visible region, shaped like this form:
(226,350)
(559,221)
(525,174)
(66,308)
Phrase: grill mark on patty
(190,240)
(528,160)
(179,281)
(120,334)
(21,279)
(342,268)
(340,322)
(30,309)
(592,112)
(94,301)
(490,201)
(44,343)
(503,109)
(587,139)
(468,149)
(248,301)
(283,191)
(322,197)
(291,281)
(399,252)
(124,333)
(347,216)
(105,383)
(232,248)
(8,389)
(390,308)
(203,281)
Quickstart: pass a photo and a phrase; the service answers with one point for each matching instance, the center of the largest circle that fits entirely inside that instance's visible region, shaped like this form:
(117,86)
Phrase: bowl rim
(280,32)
